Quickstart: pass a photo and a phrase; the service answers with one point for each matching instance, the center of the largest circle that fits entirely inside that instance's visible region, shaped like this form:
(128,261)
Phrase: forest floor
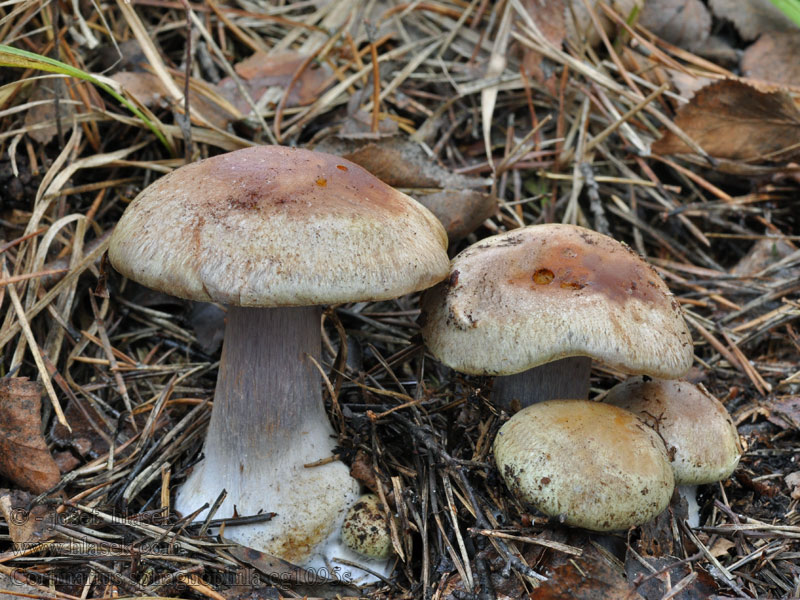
(679,138)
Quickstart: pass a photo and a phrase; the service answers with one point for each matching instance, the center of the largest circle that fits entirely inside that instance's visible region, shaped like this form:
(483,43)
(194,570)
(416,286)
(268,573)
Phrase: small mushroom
(365,529)
(701,439)
(535,305)
(589,464)
(275,232)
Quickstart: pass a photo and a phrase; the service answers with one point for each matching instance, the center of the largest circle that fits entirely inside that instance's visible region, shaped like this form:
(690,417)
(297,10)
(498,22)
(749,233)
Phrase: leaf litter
(595,130)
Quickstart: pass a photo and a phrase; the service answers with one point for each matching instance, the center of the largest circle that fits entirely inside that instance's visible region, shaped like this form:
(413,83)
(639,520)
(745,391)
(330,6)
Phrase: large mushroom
(273,233)
(535,305)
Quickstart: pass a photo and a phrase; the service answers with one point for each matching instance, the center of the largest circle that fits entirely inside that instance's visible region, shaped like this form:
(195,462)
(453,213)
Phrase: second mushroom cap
(545,292)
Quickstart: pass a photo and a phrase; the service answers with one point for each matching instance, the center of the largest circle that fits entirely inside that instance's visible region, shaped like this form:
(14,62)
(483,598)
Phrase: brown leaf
(362,470)
(65,461)
(762,254)
(684,23)
(27,525)
(460,211)
(774,58)
(549,16)
(46,90)
(721,547)
(149,91)
(24,457)
(585,580)
(752,17)
(733,120)
(785,412)
(262,71)
(700,585)
(87,438)
(400,163)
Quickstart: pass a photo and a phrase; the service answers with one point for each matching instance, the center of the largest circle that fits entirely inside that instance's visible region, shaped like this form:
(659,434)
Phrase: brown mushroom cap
(597,465)
(276,226)
(698,431)
(544,292)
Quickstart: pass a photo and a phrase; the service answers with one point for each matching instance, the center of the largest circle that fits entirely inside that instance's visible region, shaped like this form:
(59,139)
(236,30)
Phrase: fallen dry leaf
(148,89)
(585,580)
(46,90)
(262,71)
(752,17)
(700,585)
(793,483)
(362,470)
(721,547)
(785,412)
(684,23)
(402,163)
(399,162)
(773,57)
(733,120)
(24,457)
(687,84)
(87,438)
(27,525)
(460,211)
(762,254)
(550,18)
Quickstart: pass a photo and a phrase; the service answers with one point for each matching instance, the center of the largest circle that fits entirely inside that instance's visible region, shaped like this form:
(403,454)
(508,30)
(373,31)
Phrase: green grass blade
(790,8)
(14,57)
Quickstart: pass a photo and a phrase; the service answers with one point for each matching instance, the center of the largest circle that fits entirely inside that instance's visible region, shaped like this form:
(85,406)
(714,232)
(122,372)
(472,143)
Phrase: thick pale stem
(268,392)
(268,422)
(565,379)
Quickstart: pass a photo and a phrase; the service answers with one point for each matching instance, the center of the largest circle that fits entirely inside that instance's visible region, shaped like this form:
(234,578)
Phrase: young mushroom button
(701,439)
(590,464)
(557,294)
(275,232)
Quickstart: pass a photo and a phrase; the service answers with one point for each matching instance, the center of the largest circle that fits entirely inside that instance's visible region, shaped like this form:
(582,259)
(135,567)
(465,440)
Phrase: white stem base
(689,493)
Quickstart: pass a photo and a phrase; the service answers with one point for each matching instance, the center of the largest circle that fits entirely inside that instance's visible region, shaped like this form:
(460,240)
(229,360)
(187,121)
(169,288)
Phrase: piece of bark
(24,456)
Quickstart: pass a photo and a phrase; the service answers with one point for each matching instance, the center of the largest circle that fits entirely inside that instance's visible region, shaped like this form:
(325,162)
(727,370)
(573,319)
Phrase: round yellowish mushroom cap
(544,292)
(365,529)
(596,465)
(701,439)
(277,226)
